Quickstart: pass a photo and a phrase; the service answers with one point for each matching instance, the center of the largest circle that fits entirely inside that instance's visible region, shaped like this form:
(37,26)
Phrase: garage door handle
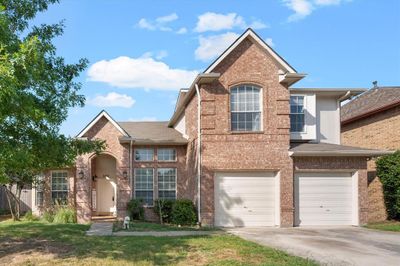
(321,206)
(245,207)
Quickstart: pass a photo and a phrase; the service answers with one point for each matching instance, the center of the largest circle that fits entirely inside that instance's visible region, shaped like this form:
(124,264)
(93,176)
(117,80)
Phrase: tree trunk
(14,201)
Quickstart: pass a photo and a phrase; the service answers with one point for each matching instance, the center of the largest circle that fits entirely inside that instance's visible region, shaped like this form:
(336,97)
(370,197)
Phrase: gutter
(345,96)
(199,156)
(359,153)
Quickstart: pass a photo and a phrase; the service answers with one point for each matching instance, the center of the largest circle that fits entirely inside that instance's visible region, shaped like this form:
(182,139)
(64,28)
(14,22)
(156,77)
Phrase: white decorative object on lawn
(126,222)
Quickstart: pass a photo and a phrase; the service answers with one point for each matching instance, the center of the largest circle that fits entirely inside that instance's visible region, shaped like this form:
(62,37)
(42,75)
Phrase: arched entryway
(104,185)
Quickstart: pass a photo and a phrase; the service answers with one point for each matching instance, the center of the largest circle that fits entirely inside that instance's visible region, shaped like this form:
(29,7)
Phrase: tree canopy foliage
(37,88)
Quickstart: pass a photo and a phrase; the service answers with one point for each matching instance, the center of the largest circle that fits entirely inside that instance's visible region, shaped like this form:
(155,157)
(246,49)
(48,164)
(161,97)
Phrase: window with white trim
(297,119)
(166,155)
(246,108)
(144,185)
(144,155)
(39,184)
(166,183)
(59,187)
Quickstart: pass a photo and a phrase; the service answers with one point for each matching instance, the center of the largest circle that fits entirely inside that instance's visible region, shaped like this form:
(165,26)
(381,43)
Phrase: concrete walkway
(105,229)
(100,229)
(330,245)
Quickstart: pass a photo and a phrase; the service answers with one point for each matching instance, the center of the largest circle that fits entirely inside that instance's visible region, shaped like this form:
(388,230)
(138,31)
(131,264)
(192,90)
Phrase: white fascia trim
(250,33)
(340,153)
(96,119)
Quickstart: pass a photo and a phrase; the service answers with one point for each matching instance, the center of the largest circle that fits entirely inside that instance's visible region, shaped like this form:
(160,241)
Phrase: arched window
(246,108)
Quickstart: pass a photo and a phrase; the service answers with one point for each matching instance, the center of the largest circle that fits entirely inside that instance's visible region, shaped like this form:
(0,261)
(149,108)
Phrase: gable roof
(103,113)
(372,101)
(153,132)
(250,33)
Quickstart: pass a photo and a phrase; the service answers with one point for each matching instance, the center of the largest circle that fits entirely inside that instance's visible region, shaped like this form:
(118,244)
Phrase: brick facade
(379,131)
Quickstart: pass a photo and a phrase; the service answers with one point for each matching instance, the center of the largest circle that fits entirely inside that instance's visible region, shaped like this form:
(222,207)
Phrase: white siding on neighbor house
(309,116)
(325,198)
(180,126)
(328,120)
(245,199)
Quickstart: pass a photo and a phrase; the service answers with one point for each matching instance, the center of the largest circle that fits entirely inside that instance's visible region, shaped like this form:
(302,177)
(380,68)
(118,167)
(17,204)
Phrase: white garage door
(244,199)
(324,198)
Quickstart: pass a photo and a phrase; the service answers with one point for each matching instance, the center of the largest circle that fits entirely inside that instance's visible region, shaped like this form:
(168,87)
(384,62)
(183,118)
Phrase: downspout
(130,167)
(199,153)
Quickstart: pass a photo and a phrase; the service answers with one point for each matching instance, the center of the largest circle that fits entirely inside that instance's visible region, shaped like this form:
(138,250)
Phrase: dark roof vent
(375,83)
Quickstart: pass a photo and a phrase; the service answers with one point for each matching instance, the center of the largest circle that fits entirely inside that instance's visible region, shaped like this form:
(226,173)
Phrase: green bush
(4,212)
(388,170)
(65,215)
(135,209)
(29,216)
(183,212)
(166,206)
(48,216)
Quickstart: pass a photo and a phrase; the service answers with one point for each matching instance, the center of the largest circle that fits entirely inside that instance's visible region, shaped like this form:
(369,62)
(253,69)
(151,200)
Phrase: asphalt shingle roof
(371,100)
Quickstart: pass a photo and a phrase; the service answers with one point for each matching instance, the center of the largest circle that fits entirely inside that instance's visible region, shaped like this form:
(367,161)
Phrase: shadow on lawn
(69,241)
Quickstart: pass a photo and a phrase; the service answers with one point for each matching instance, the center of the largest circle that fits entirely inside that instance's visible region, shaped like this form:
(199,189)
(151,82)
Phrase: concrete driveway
(330,246)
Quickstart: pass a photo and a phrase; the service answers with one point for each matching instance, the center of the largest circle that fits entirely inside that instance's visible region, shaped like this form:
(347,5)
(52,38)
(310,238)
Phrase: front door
(105,197)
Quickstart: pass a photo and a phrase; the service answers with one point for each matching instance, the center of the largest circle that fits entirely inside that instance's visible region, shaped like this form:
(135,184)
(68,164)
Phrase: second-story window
(245,108)
(297,122)
(166,155)
(144,155)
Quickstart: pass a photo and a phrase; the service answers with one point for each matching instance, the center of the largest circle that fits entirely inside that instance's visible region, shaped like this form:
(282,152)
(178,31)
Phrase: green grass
(33,243)
(385,226)
(147,226)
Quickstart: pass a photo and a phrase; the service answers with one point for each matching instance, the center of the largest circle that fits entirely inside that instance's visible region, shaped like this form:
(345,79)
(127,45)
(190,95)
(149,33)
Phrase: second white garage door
(244,199)
(324,199)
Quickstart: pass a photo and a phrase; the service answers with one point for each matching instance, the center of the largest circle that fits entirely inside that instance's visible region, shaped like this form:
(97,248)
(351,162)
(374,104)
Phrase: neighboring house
(372,120)
(244,145)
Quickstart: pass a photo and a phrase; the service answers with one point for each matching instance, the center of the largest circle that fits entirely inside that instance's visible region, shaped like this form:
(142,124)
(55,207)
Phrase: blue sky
(142,52)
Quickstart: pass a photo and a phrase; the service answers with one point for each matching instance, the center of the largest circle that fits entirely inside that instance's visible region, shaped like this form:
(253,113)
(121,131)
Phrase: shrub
(29,216)
(65,215)
(135,209)
(388,170)
(183,212)
(48,216)
(163,208)
(4,212)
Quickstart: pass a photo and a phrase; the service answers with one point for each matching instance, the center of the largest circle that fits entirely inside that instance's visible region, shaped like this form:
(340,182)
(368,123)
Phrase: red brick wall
(358,164)
(378,131)
(225,150)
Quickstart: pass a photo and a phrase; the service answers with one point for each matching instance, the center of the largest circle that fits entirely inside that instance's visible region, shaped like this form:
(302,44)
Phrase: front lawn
(137,226)
(33,243)
(385,226)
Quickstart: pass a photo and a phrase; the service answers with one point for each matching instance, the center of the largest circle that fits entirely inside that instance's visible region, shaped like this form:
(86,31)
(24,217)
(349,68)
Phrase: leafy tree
(388,170)
(37,88)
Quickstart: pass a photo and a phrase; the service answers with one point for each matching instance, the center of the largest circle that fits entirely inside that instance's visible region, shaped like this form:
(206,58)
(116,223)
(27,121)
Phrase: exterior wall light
(125,174)
(81,174)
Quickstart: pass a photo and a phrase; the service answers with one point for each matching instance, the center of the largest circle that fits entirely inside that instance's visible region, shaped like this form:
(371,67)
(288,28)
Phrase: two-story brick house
(244,145)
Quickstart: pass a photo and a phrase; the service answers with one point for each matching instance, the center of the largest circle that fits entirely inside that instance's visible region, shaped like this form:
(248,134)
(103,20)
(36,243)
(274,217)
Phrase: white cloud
(270,42)
(142,72)
(145,118)
(212,46)
(159,23)
(303,8)
(210,21)
(167,18)
(182,30)
(112,99)
(158,55)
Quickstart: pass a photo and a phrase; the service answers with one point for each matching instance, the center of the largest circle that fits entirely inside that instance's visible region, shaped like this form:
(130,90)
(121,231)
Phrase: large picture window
(297,122)
(144,155)
(166,155)
(144,185)
(166,183)
(245,108)
(59,187)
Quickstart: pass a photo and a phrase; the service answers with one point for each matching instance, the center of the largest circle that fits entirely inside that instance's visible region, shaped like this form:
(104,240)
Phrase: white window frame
(261,108)
(39,188)
(135,184)
(137,149)
(51,184)
(304,113)
(176,182)
(172,149)
(310,118)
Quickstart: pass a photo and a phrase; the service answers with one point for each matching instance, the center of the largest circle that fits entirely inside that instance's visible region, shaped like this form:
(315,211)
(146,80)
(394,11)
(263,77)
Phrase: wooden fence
(26,199)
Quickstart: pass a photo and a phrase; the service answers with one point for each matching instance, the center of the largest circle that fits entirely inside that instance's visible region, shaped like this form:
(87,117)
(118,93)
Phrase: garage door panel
(244,199)
(324,198)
